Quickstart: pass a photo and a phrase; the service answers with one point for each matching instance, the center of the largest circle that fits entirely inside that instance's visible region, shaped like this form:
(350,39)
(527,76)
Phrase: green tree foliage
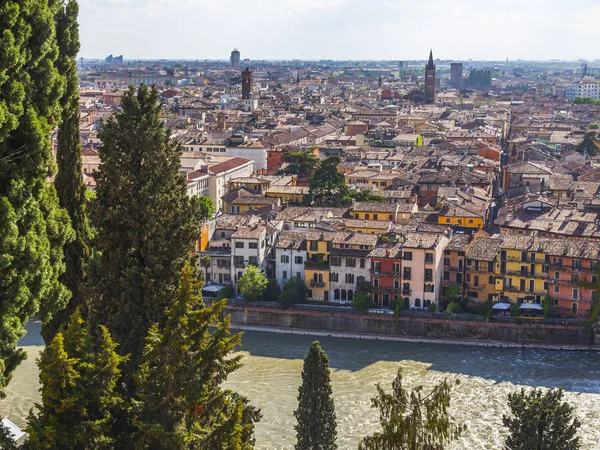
(589,145)
(33,229)
(78,373)
(411,420)
(586,101)
(362,301)
(299,163)
(294,291)
(179,402)
(273,290)
(252,284)
(452,295)
(594,126)
(146,223)
(316,427)
(480,78)
(368,196)
(540,421)
(69,183)
(206,207)
(327,186)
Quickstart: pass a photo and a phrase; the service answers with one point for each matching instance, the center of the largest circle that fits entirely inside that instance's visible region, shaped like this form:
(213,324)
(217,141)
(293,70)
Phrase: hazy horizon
(358,30)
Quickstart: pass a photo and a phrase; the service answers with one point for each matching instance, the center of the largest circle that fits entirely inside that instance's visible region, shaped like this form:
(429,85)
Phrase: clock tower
(430,80)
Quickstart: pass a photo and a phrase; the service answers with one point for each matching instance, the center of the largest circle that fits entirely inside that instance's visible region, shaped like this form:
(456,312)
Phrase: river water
(273,364)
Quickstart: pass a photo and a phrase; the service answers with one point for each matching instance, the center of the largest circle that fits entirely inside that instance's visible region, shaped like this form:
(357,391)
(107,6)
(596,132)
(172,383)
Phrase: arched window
(375,282)
(428,303)
(316,277)
(350,295)
(396,283)
(320,278)
(406,303)
(376,298)
(343,294)
(417,303)
(336,294)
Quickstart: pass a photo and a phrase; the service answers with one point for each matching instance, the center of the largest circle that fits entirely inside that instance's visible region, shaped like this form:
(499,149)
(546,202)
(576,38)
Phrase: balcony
(428,279)
(456,269)
(314,283)
(316,265)
(406,276)
(239,265)
(406,291)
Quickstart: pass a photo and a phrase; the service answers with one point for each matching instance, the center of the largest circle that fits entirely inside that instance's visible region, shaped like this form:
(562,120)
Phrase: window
(285,259)
(476,280)
(557,275)
(396,268)
(366,217)
(298,259)
(575,293)
(446,261)
(490,266)
(407,256)
(468,278)
(334,277)
(375,217)
(285,274)
(252,245)
(314,246)
(447,276)
(472,294)
(335,261)
(429,258)
(407,273)
(574,308)
(428,274)
(396,283)
(362,263)
(222,234)
(576,264)
(350,262)
(239,244)
(376,266)
(558,262)
(360,280)
(350,278)
(556,289)
(459,278)
(545,285)
(469,262)
(253,260)
(375,282)
(238,260)
(523,256)
(471,221)
(298,275)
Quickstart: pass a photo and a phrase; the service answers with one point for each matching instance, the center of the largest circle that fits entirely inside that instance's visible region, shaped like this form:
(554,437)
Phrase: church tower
(430,80)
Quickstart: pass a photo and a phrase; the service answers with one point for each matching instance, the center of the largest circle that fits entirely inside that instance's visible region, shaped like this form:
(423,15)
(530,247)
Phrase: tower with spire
(430,80)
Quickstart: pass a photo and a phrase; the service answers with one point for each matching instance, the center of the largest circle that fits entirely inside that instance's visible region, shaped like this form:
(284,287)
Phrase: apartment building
(290,256)
(386,274)
(480,269)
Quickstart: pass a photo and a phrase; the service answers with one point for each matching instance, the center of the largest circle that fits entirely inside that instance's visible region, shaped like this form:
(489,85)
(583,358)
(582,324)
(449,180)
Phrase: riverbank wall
(432,329)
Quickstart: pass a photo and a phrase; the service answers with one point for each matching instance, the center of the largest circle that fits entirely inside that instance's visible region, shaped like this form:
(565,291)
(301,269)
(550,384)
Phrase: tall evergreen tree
(69,183)
(33,228)
(411,421)
(316,428)
(327,186)
(541,421)
(78,373)
(179,402)
(145,223)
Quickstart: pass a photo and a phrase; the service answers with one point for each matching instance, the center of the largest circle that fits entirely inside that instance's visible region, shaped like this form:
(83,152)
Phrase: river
(273,363)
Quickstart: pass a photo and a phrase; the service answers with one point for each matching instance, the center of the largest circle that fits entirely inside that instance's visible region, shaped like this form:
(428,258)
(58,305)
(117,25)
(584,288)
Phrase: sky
(341,29)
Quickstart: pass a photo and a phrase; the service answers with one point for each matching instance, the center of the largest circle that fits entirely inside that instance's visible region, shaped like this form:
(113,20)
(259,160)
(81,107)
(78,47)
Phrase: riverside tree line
(134,358)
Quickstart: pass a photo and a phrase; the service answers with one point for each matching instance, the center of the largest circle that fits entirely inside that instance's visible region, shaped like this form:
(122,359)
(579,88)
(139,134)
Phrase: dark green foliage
(299,163)
(540,421)
(78,373)
(146,224)
(452,293)
(589,145)
(327,186)
(480,78)
(316,427)
(586,101)
(362,301)
(411,420)
(252,284)
(368,196)
(594,126)
(33,229)
(206,207)
(514,309)
(294,291)
(69,183)
(273,291)
(179,402)
(547,305)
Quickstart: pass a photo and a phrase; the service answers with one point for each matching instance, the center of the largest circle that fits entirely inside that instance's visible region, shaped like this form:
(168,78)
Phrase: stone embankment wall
(519,333)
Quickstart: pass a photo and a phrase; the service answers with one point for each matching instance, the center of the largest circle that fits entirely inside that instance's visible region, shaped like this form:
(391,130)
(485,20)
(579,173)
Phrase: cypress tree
(146,224)
(33,228)
(78,373)
(179,403)
(69,183)
(316,428)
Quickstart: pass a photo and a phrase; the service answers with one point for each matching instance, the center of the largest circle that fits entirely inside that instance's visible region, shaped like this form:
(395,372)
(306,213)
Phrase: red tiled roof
(227,165)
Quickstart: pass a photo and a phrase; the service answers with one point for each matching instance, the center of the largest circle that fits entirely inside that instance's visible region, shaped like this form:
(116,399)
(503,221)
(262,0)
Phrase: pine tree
(146,224)
(69,183)
(327,186)
(78,373)
(540,421)
(316,428)
(179,402)
(411,421)
(33,228)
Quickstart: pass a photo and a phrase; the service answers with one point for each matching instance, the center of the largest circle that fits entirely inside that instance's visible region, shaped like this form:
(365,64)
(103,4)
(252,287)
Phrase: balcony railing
(239,265)
(314,283)
(406,291)
(316,265)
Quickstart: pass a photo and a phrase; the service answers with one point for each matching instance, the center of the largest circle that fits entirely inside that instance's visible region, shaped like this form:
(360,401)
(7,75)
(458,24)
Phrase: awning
(501,306)
(532,306)
(213,288)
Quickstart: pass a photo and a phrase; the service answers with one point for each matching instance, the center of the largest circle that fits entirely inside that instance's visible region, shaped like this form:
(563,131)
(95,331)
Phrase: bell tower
(430,80)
